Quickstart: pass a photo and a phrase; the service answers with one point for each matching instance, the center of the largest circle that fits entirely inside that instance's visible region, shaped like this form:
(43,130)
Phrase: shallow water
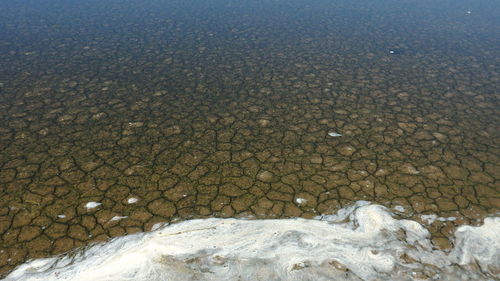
(119,115)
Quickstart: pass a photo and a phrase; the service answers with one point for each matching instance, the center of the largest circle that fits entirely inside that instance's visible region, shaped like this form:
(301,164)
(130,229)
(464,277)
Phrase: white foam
(361,242)
(430,219)
(447,219)
(482,244)
(399,208)
(92,205)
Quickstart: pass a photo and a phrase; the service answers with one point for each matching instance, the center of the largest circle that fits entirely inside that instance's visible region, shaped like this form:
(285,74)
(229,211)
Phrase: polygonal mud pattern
(232,131)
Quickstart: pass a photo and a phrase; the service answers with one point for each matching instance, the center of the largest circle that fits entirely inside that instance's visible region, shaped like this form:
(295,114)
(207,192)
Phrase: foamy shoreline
(361,242)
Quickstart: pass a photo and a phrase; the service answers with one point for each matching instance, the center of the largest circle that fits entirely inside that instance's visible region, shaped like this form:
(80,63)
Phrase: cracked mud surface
(211,127)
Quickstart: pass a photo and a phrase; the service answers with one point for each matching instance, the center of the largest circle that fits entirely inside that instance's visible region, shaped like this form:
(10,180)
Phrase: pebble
(394,52)
(334,134)
(117,218)
(265,176)
(132,200)
(300,201)
(92,205)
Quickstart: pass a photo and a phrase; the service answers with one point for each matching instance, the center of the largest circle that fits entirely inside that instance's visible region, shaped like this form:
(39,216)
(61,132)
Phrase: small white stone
(132,200)
(300,201)
(334,134)
(92,205)
(61,216)
(117,218)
